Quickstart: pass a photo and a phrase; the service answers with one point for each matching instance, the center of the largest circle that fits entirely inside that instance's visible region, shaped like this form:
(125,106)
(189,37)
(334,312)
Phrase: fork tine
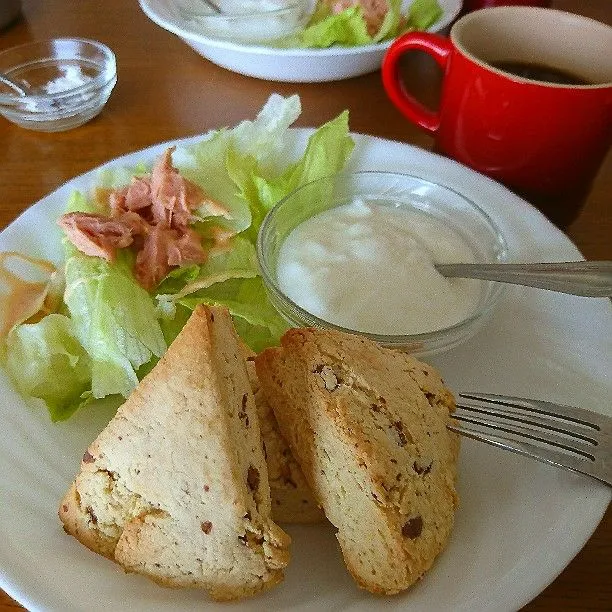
(516,413)
(573,438)
(552,457)
(502,424)
(568,413)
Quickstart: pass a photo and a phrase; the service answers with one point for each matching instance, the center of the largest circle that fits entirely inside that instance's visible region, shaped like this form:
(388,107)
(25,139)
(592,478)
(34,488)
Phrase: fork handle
(585,278)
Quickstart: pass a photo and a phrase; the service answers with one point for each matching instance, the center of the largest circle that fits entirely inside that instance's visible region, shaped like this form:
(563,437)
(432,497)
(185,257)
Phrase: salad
(362,22)
(310,23)
(94,325)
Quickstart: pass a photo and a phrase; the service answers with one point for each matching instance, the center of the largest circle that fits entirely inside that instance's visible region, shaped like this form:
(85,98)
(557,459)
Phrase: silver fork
(568,437)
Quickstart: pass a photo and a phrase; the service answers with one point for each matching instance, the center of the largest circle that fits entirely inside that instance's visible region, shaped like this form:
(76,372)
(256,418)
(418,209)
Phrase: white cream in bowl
(370,267)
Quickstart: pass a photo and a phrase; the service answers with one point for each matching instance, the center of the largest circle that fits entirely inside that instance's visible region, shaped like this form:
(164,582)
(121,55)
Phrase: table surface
(167,91)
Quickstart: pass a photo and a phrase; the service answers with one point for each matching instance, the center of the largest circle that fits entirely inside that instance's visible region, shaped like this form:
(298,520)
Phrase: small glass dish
(436,203)
(67,82)
(246,21)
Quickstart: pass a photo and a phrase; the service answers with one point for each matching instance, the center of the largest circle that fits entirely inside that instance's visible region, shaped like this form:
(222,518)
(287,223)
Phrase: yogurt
(369,267)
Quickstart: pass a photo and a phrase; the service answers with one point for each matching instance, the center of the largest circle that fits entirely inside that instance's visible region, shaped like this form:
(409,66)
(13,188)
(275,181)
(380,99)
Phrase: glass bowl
(429,204)
(246,21)
(67,82)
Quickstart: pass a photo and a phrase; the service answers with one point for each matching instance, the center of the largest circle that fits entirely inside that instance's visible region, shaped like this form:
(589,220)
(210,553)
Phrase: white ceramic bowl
(68,81)
(286,65)
(246,22)
(438,202)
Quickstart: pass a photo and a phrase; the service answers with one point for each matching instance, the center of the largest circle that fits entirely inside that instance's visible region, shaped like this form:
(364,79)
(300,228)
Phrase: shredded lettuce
(114,319)
(348,28)
(111,331)
(46,360)
(233,280)
(422,14)
(255,142)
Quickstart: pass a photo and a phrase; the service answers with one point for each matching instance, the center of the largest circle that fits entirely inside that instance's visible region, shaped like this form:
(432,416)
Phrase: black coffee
(541,72)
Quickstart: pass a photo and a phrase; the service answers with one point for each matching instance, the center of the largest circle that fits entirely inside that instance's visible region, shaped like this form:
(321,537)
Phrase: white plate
(288,65)
(519,523)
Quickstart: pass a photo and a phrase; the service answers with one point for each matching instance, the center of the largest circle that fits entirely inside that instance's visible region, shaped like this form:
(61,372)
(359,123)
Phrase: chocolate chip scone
(368,428)
(176,486)
(292,499)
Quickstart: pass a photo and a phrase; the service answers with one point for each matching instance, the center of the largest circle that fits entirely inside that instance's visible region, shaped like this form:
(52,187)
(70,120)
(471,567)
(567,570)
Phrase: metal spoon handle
(586,278)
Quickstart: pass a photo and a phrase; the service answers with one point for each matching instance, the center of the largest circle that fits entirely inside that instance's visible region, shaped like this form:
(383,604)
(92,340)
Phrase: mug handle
(435,45)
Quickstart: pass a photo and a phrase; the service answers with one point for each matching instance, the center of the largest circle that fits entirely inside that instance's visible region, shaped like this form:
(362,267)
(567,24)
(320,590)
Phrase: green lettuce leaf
(238,261)
(232,278)
(258,323)
(326,153)
(258,141)
(114,319)
(422,14)
(348,28)
(111,331)
(45,360)
(392,24)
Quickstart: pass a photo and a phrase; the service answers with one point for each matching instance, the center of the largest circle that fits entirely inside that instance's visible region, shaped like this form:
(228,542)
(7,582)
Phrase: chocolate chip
(206,488)
(206,527)
(412,528)
(399,427)
(88,458)
(253,478)
(422,469)
(94,518)
(242,415)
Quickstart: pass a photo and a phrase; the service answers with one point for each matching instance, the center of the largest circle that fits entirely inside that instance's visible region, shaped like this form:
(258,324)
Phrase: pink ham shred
(96,235)
(374,11)
(152,215)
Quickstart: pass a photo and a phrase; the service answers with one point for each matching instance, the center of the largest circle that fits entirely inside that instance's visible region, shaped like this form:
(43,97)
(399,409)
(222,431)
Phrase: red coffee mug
(543,140)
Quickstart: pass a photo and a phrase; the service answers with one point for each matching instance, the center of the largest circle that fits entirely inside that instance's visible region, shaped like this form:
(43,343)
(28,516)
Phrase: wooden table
(166,91)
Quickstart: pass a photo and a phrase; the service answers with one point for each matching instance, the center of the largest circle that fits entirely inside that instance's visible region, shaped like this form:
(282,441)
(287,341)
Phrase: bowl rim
(107,75)
(398,340)
(213,19)
(150,8)
(279,10)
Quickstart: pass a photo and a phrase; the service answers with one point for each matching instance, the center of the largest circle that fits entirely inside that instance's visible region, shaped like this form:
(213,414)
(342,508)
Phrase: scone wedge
(368,428)
(292,499)
(176,486)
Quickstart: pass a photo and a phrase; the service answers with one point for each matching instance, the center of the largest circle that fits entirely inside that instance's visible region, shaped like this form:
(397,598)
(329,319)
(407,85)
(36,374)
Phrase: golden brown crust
(368,428)
(292,499)
(176,486)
